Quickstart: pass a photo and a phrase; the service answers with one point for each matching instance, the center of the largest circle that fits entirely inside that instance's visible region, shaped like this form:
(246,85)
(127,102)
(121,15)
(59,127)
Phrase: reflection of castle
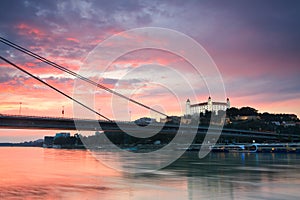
(192,109)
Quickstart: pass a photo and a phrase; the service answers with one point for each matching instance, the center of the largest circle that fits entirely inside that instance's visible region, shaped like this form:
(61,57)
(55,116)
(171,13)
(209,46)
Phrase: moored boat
(258,147)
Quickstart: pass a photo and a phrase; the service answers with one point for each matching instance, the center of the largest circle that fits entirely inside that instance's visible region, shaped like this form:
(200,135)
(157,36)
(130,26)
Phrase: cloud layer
(256,46)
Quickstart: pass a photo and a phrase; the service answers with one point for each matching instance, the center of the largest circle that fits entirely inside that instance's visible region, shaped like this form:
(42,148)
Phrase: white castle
(198,108)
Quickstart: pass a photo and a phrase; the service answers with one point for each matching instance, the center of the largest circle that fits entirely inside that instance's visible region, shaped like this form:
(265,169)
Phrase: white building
(198,108)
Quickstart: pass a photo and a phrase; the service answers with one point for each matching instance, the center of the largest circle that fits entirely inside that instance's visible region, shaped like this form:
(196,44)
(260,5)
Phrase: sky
(254,44)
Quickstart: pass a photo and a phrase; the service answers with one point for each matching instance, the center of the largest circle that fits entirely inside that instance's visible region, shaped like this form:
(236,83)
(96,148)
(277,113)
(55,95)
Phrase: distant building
(210,105)
(277,123)
(63,140)
(286,124)
(145,121)
(62,134)
(171,119)
(48,141)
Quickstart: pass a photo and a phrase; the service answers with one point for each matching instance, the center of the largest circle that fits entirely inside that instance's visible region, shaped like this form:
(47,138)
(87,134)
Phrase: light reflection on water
(37,173)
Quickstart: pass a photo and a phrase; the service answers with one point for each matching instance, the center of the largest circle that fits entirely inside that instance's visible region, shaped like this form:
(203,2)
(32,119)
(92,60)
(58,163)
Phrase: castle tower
(188,107)
(209,104)
(228,103)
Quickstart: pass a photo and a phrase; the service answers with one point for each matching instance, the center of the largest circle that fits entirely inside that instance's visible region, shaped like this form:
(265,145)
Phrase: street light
(20,109)
(63,111)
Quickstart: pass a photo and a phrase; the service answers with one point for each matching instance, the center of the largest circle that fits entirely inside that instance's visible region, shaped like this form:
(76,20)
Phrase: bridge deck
(53,123)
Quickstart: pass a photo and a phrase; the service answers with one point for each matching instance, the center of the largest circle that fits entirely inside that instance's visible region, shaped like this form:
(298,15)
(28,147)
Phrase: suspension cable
(32,54)
(57,90)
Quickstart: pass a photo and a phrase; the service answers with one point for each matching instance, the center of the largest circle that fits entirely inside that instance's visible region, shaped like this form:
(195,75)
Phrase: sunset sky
(254,44)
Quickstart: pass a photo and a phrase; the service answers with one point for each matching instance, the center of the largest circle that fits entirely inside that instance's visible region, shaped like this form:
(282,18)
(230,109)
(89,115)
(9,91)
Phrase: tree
(248,111)
(232,112)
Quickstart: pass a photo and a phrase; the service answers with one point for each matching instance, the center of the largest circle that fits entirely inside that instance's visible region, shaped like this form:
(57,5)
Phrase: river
(38,173)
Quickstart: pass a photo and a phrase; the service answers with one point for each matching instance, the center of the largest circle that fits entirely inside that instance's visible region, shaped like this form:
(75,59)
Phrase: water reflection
(241,176)
(35,173)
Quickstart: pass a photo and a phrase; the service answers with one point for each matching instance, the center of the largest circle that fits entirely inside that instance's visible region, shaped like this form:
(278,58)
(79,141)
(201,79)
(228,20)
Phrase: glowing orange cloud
(25,29)
(73,39)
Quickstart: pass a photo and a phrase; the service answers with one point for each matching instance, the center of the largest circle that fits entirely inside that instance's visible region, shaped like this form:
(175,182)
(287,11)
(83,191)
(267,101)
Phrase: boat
(258,148)
(227,148)
(278,148)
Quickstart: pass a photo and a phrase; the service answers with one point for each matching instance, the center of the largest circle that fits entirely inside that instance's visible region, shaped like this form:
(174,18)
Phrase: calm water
(37,173)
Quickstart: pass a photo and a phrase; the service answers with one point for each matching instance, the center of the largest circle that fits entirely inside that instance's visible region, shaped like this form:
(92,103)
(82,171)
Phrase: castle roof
(205,103)
(199,104)
(219,103)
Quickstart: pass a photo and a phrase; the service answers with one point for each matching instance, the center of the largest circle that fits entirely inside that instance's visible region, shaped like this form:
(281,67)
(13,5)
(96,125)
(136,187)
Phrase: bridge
(112,127)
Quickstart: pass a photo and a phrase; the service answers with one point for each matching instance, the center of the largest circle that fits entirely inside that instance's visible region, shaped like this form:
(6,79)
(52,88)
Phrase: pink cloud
(29,30)
(72,39)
